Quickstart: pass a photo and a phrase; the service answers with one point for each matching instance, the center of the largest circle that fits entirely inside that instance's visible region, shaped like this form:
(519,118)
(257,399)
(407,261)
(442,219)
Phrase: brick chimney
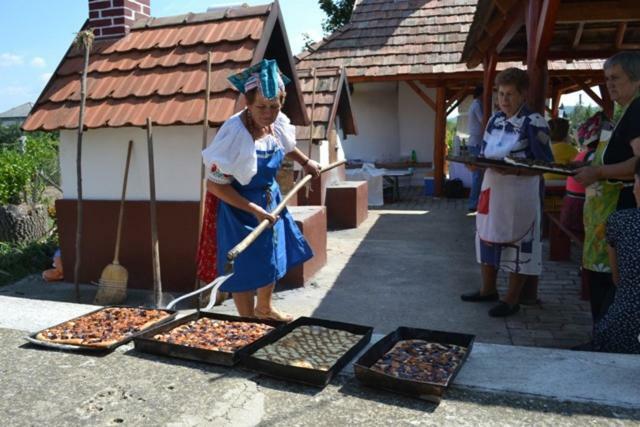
(113,18)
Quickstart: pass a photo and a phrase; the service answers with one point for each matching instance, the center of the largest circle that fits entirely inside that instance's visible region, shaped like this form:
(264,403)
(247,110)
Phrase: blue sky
(36,33)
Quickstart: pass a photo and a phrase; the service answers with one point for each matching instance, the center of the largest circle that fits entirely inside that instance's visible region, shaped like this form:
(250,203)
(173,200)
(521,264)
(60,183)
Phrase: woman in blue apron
(508,214)
(242,163)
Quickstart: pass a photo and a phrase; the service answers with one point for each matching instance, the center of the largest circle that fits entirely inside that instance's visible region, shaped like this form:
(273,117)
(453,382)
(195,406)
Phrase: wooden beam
(599,11)
(608,106)
(430,102)
(577,35)
(503,6)
(589,92)
(515,21)
(439,140)
(490,63)
(546,25)
(555,102)
(459,94)
(536,67)
(622,27)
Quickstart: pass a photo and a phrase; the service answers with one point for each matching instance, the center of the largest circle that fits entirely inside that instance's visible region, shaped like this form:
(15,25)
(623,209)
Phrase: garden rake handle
(240,247)
(121,213)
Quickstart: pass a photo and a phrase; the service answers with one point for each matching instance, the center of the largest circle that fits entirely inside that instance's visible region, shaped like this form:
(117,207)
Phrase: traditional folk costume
(250,166)
(509,209)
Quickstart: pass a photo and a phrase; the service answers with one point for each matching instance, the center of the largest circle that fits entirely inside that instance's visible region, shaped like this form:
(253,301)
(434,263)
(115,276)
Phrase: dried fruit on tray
(309,346)
(104,327)
(419,360)
(216,335)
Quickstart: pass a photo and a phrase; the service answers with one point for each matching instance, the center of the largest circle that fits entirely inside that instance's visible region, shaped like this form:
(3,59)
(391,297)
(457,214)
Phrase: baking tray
(57,346)
(307,376)
(146,343)
(483,162)
(422,390)
(509,164)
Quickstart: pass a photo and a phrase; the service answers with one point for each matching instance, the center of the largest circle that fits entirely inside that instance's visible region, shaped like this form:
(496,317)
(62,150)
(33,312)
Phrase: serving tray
(314,377)
(146,343)
(93,348)
(420,389)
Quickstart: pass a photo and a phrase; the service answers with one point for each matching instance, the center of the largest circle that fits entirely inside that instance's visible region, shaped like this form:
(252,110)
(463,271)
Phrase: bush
(23,165)
(17,261)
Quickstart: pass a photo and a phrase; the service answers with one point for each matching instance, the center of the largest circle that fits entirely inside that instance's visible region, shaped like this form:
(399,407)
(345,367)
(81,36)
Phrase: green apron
(601,199)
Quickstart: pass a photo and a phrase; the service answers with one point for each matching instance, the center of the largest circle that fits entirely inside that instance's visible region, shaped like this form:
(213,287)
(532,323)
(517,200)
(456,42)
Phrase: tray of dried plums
(417,362)
(207,337)
(309,351)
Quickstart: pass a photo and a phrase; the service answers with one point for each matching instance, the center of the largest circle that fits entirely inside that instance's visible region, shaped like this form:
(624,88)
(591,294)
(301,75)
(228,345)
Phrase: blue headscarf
(264,75)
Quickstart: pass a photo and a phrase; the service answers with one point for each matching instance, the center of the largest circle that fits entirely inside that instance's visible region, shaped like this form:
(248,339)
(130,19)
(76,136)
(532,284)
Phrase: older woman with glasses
(609,178)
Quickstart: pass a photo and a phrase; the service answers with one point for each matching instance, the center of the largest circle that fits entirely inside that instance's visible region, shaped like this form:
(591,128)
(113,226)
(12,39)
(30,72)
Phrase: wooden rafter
(585,87)
(456,96)
(599,11)
(546,24)
(430,102)
(577,35)
(622,27)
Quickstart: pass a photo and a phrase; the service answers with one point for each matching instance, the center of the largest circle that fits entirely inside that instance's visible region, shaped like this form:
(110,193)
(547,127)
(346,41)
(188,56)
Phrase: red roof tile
(158,70)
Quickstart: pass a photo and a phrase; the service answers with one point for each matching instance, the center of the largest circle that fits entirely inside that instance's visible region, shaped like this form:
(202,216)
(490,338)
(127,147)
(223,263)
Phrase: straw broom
(85,40)
(114,277)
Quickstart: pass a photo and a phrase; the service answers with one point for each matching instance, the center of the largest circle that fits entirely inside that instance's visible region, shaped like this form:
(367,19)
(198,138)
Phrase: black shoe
(477,297)
(503,310)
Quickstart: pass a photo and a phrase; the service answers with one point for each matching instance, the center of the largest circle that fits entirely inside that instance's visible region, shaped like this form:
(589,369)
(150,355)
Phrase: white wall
(416,122)
(104,152)
(375,107)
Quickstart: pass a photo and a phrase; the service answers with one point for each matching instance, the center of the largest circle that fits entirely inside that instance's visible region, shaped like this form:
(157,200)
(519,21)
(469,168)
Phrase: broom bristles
(112,287)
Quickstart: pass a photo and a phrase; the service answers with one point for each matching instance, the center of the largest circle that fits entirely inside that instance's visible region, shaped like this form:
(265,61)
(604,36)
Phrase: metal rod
(155,247)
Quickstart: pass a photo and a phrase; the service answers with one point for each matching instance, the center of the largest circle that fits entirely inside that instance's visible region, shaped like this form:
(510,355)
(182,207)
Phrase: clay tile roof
(331,99)
(158,70)
(391,37)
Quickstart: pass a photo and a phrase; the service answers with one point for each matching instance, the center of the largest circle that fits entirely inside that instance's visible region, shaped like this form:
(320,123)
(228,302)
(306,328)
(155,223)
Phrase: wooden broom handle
(121,213)
(240,247)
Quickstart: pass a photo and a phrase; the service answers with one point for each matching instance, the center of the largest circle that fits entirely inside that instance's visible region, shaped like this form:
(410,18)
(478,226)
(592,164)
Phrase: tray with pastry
(417,362)
(101,330)
(207,337)
(309,351)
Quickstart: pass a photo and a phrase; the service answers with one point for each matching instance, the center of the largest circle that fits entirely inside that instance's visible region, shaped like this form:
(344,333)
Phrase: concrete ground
(404,266)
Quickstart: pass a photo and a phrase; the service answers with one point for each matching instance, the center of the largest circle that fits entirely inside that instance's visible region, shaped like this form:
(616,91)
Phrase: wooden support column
(439,140)
(489,63)
(555,102)
(607,103)
(538,40)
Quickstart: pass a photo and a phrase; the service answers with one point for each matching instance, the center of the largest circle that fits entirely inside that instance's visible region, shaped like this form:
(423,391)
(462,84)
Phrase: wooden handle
(240,247)
(121,213)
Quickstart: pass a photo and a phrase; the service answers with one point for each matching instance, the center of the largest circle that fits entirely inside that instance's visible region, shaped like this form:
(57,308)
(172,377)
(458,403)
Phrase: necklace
(251,127)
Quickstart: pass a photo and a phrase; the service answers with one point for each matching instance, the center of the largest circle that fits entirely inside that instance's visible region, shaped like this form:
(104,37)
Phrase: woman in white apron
(508,214)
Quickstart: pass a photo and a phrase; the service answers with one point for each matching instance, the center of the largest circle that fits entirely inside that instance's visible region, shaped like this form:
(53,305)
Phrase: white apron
(508,204)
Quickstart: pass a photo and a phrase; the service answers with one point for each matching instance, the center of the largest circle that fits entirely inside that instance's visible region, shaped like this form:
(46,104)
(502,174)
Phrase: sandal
(273,315)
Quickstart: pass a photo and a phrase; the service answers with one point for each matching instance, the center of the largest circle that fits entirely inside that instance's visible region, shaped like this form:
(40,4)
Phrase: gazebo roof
(158,70)
(327,94)
(579,29)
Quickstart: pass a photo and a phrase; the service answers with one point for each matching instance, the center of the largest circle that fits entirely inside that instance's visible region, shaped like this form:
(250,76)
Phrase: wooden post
(439,140)
(536,65)
(490,62)
(85,41)
(555,102)
(608,106)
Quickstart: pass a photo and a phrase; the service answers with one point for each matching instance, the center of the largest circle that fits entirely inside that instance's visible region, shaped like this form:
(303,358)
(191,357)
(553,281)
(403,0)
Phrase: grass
(20,260)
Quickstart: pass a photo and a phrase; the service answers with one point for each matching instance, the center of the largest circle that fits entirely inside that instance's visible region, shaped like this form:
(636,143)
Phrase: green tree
(9,134)
(338,13)
(24,166)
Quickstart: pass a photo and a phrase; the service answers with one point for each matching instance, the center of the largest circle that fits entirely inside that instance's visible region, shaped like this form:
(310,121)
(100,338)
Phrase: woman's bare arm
(590,174)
